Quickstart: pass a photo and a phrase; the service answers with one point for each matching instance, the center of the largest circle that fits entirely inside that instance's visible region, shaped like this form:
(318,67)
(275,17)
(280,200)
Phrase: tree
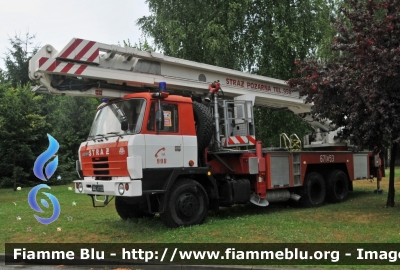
(278,32)
(203,31)
(26,118)
(71,119)
(261,36)
(21,120)
(323,50)
(21,128)
(143,45)
(258,36)
(359,89)
(17,59)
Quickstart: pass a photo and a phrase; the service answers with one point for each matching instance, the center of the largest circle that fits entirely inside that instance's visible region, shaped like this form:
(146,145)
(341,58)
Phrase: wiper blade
(102,135)
(116,133)
(99,135)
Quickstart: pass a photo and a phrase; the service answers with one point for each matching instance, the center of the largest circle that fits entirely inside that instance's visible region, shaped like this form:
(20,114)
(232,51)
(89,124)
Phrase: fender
(181,172)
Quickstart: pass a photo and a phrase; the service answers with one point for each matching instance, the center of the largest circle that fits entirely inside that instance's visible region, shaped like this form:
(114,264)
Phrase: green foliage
(277,122)
(26,118)
(261,36)
(71,120)
(203,31)
(142,45)
(17,60)
(327,21)
(22,126)
(278,32)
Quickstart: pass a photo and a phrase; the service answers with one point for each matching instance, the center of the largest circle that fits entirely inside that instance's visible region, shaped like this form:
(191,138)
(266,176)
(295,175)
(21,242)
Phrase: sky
(56,22)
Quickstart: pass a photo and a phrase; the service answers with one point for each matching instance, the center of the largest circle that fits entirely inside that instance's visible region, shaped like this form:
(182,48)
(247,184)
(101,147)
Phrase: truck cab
(138,132)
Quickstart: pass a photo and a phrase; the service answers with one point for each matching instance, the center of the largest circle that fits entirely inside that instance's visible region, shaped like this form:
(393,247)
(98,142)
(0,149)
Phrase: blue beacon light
(162,86)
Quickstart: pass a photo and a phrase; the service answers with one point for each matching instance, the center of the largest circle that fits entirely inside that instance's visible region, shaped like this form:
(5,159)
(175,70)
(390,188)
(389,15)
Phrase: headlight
(121,189)
(80,187)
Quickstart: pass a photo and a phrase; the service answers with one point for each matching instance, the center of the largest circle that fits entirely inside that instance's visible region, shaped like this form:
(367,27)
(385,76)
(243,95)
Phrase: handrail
(296,142)
(285,138)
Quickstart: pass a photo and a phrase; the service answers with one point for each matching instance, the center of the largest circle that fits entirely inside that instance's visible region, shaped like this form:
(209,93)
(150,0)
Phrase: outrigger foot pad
(257,200)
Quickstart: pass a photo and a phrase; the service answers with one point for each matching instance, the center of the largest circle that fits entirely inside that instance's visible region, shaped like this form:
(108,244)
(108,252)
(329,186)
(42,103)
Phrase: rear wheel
(314,190)
(129,210)
(187,204)
(337,186)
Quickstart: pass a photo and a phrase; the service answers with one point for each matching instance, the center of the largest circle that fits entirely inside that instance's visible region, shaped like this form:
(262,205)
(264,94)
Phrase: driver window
(171,123)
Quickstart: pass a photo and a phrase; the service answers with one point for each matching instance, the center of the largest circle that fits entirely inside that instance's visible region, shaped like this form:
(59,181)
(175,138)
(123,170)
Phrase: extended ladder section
(93,69)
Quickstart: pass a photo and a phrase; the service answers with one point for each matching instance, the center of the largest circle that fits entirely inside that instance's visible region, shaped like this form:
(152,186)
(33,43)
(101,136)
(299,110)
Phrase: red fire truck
(177,137)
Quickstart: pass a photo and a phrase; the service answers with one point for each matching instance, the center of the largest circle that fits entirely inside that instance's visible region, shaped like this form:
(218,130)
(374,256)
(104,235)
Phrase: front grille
(105,168)
(100,166)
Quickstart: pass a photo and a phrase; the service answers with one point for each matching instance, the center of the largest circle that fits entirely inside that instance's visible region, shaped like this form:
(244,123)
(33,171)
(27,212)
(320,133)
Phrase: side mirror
(159,120)
(124,125)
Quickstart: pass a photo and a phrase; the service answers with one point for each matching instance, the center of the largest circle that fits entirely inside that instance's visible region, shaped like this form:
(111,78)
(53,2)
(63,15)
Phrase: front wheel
(314,190)
(187,204)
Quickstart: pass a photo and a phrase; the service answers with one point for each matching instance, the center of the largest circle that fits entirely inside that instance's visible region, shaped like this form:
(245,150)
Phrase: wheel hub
(188,205)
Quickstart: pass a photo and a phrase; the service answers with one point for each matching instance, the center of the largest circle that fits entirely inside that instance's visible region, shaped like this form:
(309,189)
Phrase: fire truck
(177,138)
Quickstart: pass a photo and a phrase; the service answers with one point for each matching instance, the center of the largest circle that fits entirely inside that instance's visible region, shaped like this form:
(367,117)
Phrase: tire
(187,204)
(129,211)
(204,125)
(314,190)
(337,186)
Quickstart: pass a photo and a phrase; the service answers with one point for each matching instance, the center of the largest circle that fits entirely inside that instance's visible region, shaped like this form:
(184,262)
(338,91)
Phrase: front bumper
(110,188)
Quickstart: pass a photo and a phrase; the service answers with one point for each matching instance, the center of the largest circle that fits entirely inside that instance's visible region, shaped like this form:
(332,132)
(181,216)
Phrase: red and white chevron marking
(81,50)
(237,140)
(52,65)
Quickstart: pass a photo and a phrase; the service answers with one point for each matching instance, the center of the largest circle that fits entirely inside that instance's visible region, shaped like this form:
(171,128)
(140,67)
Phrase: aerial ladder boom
(93,69)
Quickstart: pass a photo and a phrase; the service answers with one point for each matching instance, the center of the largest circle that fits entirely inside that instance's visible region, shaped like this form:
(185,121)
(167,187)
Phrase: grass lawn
(362,218)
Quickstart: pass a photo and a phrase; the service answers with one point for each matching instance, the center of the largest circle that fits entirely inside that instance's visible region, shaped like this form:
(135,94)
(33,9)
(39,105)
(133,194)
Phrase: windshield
(108,119)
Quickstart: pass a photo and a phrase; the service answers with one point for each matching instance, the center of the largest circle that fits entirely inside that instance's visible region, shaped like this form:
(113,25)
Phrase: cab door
(164,148)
